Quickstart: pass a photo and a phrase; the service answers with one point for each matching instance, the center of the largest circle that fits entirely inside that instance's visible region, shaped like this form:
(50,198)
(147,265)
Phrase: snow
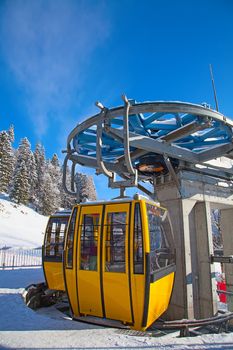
(21,226)
(48,328)
(223,162)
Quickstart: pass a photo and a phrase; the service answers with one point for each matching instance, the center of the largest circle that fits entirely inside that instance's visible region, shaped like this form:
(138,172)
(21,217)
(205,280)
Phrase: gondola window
(115,242)
(89,242)
(160,251)
(55,238)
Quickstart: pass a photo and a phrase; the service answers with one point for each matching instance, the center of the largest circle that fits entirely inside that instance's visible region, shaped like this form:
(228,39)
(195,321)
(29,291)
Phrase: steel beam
(151,145)
(215,152)
(184,131)
(172,136)
(91,162)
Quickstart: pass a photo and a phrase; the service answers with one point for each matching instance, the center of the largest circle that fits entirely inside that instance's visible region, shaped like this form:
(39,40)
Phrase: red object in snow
(222,286)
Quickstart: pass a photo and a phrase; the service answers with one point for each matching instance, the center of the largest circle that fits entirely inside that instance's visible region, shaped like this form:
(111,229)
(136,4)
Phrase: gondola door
(115,267)
(88,267)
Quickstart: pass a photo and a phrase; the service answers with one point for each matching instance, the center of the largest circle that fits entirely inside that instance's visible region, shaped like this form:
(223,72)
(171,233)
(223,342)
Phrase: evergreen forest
(31,179)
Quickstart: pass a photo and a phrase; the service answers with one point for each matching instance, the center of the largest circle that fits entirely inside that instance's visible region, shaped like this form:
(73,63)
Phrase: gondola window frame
(138,242)
(115,245)
(70,240)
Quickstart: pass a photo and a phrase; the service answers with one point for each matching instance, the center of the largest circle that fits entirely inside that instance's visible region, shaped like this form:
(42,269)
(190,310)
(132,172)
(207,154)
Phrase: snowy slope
(20,226)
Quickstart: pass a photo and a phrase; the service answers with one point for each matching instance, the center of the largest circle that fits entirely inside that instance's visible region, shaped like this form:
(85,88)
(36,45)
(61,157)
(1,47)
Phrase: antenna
(213,85)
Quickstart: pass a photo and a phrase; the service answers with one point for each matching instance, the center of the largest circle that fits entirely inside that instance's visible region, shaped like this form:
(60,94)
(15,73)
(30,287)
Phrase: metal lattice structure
(141,141)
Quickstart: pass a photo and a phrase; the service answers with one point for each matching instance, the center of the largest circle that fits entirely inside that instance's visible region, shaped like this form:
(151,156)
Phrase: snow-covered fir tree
(49,201)
(39,156)
(85,187)
(31,179)
(20,189)
(6,161)
(54,170)
(24,152)
(55,161)
(11,133)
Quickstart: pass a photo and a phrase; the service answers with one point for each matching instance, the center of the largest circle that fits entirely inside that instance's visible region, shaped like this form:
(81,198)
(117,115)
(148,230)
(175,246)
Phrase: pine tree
(39,156)
(33,179)
(11,133)
(50,195)
(24,153)
(85,187)
(20,190)
(6,161)
(54,170)
(55,161)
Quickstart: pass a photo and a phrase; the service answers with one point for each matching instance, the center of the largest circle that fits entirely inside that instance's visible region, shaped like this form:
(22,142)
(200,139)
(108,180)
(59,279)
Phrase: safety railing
(12,258)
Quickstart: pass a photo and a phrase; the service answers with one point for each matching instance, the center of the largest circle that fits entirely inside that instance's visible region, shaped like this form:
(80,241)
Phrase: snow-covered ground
(23,328)
(20,226)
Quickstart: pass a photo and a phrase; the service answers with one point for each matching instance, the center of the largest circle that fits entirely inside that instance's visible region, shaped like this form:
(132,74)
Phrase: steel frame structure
(115,140)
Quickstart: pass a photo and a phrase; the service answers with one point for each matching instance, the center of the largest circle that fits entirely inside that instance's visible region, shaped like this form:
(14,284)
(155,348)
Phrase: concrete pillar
(187,210)
(205,295)
(181,305)
(226,224)
(194,293)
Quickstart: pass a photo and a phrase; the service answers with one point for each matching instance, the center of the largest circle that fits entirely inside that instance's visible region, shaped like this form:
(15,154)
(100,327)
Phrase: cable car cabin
(53,249)
(119,261)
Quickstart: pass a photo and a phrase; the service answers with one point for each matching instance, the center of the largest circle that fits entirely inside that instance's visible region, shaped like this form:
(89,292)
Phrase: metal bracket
(130,182)
(133,179)
(172,173)
(128,162)
(99,135)
(72,192)
(126,140)
(221,259)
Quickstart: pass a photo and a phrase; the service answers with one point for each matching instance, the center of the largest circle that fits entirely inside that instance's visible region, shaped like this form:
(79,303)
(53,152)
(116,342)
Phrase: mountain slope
(20,226)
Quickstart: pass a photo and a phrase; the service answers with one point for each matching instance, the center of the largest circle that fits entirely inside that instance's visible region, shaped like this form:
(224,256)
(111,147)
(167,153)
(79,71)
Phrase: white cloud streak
(48,46)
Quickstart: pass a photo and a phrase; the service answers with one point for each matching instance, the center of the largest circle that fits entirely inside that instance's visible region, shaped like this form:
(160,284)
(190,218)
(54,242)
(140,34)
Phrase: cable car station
(120,256)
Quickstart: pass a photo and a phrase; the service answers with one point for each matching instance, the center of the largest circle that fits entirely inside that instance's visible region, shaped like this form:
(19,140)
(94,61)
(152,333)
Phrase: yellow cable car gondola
(53,249)
(118,261)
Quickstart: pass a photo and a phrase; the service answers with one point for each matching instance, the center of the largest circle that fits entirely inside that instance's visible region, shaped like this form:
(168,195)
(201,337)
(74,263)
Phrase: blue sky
(58,57)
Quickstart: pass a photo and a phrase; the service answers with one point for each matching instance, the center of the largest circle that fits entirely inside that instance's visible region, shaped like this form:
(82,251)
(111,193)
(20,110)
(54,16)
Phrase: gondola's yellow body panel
(160,293)
(118,261)
(54,275)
